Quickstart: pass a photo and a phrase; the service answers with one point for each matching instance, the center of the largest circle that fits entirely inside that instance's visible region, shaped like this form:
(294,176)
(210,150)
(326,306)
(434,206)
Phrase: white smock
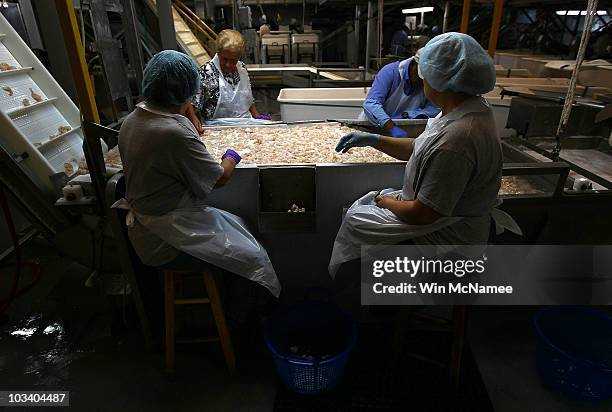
(367,224)
(398,102)
(212,235)
(234,101)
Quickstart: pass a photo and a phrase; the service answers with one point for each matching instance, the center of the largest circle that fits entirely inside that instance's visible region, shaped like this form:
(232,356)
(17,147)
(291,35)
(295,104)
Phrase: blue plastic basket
(574,352)
(320,325)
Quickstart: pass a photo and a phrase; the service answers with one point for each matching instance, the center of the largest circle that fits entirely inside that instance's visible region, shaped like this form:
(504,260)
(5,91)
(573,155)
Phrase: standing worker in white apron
(169,174)
(397,93)
(225,88)
(454,168)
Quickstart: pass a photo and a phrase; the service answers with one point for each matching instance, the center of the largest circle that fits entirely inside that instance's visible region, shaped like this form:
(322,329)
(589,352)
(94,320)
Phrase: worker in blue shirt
(397,93)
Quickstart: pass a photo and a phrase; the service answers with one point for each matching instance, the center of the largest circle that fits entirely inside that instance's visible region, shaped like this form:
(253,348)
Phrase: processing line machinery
(42,148)
(537,194)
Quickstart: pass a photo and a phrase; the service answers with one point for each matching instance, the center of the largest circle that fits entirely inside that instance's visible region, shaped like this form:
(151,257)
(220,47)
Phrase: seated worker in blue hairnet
(454,168)
(397,93)
(169,175)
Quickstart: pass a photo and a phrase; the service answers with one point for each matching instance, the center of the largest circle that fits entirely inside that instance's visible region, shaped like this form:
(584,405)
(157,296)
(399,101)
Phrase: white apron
(209,234)
(398,102)
(234,101)
(367,224)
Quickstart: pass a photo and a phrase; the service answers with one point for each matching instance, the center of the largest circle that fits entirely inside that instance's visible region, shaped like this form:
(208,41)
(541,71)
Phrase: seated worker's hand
(384,201)
(232,155)
(264,116)
(397,131)
(356,139)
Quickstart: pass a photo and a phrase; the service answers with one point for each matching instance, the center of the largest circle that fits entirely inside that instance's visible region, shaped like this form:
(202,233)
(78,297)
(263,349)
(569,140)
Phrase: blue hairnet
(170,78)
(456,62)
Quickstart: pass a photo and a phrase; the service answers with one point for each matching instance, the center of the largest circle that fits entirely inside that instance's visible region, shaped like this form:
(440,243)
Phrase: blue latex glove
(234,155)
(265,116)
(397,131)
(356,139)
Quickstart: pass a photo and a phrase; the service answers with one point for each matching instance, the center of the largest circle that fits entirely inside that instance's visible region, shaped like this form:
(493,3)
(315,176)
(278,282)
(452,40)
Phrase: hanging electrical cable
(569,98)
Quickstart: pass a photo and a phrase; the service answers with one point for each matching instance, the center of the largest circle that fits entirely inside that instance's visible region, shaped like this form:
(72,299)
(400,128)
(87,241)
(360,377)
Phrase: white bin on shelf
(321,103)
(276,48)
(304,47)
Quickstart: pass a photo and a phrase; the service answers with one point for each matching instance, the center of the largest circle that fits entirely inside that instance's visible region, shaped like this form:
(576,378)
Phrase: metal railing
(197,26)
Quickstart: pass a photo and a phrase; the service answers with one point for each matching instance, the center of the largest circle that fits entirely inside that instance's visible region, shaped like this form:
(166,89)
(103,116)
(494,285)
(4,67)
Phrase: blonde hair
(264,29)
(230,40)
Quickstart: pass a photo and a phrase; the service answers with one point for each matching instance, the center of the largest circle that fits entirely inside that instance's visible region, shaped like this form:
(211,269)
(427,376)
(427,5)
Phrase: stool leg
(217,310)
(400,328)
(169,304)
(459,321)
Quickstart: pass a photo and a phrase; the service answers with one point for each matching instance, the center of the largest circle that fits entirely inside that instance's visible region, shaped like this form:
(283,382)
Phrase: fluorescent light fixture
(581,12)
(418,10)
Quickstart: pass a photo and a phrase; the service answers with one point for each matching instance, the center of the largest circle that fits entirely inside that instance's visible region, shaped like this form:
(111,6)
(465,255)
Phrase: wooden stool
(213,300)
(457,328)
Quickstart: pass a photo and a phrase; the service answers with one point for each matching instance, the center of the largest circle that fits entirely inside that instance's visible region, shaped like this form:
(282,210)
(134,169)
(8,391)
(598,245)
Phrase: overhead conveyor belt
(185,36)
(41,126)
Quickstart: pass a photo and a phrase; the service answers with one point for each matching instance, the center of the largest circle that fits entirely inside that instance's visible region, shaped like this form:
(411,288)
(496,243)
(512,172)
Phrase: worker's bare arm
(228,164)
(413,212)
(399,148)
(389,125)
(253,110)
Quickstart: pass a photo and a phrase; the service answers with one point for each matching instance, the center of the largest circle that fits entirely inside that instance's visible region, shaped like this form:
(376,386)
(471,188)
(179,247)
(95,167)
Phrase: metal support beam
(76,56)
(27,13)
(200,8)
(577,25)
(562,23)
(166,25)
(234,11)
(368,34)
(527,15)
(465,16)
(446,13)
(211,7)
(357,28)
(498,13)
(132,40)
(54,46)
(380,15)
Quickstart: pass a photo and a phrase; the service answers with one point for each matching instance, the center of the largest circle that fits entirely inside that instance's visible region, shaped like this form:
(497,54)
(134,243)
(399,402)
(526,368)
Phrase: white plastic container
(276,47)
(600,76)
(321,103)
(37,118)
(346,103)
(501,110)
(304,45)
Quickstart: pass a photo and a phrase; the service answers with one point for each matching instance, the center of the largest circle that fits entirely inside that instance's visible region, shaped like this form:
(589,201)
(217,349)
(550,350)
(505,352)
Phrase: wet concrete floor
(61,335)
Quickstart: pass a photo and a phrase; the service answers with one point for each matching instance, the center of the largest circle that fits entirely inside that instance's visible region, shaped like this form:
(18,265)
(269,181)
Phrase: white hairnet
(456,62)
(170,78)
